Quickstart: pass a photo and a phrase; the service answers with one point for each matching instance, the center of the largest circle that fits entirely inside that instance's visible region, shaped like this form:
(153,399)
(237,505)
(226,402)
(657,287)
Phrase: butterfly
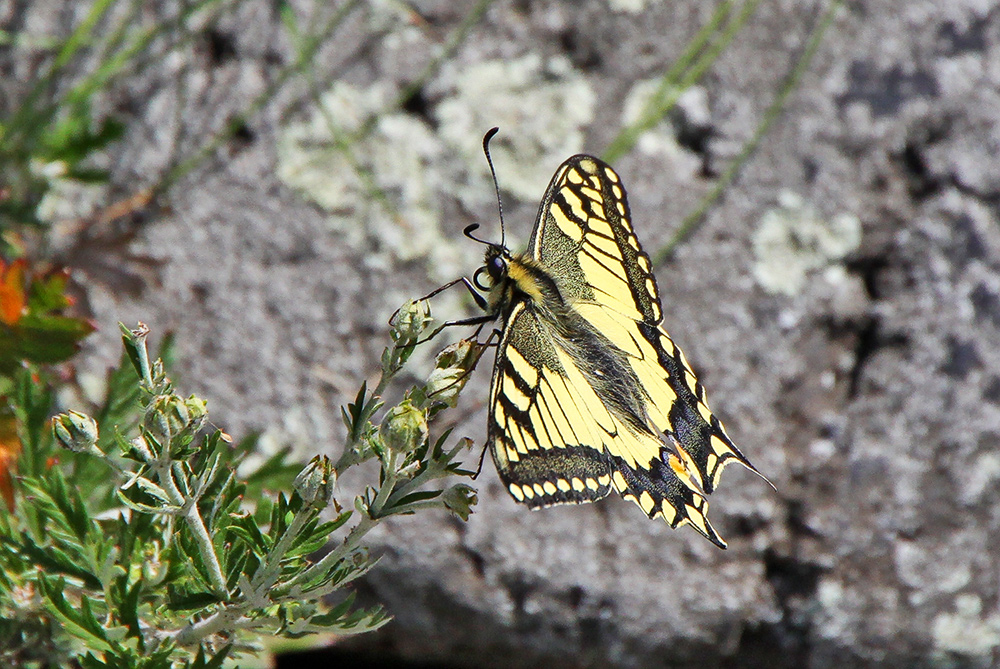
(589,393)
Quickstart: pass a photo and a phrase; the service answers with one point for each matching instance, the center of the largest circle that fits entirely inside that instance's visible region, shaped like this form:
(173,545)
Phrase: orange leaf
(12,297)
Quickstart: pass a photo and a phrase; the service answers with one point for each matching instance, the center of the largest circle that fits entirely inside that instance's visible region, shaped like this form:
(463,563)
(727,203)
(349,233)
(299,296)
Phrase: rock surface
(841,303)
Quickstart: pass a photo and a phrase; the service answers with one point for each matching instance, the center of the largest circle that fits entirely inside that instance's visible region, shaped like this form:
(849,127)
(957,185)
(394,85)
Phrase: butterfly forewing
(583,234)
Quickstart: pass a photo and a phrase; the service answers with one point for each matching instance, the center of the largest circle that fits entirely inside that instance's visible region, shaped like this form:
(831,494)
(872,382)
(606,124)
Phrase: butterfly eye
(497,267)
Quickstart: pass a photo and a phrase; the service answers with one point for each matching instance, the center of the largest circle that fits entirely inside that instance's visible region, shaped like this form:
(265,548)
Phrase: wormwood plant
(145,541)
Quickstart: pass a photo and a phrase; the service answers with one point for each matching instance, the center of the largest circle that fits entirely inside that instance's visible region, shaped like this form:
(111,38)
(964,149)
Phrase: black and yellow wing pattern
(589,393)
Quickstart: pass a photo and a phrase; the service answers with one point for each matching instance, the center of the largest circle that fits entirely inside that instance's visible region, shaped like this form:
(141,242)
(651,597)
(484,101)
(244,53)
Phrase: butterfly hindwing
(698,431)
(558,434)
(539,443)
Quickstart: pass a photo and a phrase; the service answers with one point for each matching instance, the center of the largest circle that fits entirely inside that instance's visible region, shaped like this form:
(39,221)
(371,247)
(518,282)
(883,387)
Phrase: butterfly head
(493,278)
(495,263)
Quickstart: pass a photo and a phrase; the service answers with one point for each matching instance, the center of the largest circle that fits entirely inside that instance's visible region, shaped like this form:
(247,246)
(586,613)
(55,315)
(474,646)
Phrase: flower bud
(197,409)
(168,418)
(75,431)
(404,427)
(410,321)
(459,499)
(451,371)
(316,482)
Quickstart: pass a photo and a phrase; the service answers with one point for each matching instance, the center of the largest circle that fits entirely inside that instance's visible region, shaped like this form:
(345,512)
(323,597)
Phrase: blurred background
(818,183)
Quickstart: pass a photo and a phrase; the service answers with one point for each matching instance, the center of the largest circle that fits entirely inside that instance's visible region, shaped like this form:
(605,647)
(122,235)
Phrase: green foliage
(135,544)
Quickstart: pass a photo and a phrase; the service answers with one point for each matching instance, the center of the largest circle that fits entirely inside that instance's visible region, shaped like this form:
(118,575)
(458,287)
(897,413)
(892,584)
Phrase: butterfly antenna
(496,184)
(469,229)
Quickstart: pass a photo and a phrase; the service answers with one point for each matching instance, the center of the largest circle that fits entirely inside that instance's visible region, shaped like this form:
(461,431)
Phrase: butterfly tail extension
(698,431)
(653,472)
(661,491)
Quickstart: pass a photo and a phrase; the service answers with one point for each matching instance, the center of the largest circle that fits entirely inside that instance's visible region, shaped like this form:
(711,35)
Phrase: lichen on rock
(793,240)
(541,106)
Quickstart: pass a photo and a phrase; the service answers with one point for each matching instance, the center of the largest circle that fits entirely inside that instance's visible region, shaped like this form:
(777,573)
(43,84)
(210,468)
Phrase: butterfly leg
(475,320)
(482,459)
(480,300)
(486,344)
(476,295)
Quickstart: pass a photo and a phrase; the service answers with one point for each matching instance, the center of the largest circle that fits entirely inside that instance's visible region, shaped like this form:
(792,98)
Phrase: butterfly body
(589,394)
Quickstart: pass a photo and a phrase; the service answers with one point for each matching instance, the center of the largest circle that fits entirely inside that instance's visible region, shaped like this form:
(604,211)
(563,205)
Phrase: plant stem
(375,509)
(207,550)
(429,474)
(194,520)
(222,619)
(415,506)
(339,553)
(267,575)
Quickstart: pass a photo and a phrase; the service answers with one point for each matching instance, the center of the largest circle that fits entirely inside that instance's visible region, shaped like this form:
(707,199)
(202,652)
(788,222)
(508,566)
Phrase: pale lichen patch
(380,187)
(982,477)
(794,240)
(629,6)
(966,632)
(541,106)
(659,140)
